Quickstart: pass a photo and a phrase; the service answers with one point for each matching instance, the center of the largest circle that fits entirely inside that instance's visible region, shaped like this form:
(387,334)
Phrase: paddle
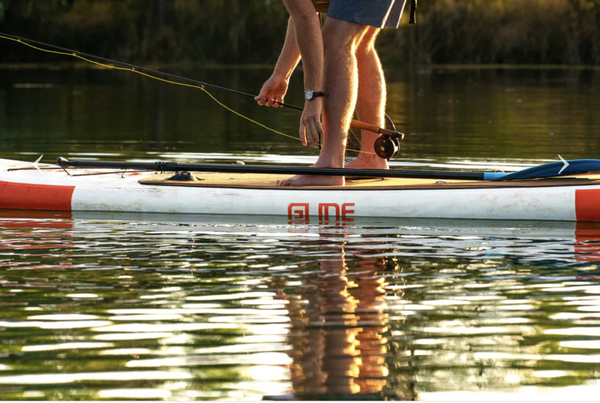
(542,171)
(552,169)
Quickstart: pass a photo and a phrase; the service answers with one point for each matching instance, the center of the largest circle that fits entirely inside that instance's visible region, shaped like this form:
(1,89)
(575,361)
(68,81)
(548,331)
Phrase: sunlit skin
(341,61)
(372,342)
(338,325)
(370,105)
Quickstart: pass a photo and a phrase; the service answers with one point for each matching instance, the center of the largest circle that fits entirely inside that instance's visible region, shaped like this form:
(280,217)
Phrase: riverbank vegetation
(252,31)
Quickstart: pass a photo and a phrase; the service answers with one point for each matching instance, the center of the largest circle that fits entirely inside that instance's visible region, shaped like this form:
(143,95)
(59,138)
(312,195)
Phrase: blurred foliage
(220,31)
(252,31)
(499,31)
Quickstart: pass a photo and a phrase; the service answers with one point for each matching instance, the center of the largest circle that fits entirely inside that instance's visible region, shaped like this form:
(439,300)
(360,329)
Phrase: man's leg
(341,40)
(371,100)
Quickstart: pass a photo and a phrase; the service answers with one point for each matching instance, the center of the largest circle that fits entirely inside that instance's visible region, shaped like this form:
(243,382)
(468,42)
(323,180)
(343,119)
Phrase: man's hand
(310,123)
(272,92)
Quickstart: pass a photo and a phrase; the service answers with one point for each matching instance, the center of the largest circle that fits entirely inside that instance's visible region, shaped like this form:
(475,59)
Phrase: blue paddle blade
(552,169)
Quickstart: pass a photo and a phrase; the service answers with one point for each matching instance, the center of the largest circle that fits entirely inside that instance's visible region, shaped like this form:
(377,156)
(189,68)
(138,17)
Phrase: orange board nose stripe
(35,197)
(586,204)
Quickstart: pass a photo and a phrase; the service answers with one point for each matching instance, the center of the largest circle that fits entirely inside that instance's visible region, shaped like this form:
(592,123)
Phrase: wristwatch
(310,94)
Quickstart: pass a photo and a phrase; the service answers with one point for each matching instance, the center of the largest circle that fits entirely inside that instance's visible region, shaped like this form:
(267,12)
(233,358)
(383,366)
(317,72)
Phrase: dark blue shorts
(376,13)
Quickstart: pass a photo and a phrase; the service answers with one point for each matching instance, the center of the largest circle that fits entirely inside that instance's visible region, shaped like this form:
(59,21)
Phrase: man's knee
(341,35)
(367,42)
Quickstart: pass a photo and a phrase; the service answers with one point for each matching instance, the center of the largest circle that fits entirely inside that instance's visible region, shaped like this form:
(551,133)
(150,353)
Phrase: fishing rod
(165,166)
(76,53)
(395,136)
(549,170)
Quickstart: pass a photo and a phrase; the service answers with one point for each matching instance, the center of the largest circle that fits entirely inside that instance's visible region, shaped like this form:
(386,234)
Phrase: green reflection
(447,113)
(167,307)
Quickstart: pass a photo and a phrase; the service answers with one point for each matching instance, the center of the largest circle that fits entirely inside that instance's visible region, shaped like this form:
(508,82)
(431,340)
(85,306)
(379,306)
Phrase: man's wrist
(309,94)
(280,77)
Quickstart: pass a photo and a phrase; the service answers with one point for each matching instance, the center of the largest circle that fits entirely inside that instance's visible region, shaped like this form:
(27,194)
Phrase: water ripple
(163,307)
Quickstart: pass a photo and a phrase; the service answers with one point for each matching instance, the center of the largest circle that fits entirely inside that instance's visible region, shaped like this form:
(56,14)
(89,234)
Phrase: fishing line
(139,70)
(152,74)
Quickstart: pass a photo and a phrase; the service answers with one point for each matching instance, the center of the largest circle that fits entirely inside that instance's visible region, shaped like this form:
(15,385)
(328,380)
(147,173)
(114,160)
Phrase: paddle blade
(553,169)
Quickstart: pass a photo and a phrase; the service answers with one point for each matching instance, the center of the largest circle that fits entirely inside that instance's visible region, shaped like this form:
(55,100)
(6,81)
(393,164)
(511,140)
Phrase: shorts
(376,13)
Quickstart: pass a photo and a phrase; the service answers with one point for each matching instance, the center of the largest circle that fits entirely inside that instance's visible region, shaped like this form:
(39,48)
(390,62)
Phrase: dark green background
(252,31)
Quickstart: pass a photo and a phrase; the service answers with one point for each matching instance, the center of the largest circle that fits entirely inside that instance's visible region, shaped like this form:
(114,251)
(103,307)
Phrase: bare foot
(312,180)
(368,161)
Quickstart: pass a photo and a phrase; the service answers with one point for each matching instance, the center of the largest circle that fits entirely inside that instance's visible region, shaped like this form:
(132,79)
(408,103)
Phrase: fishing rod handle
(357,124)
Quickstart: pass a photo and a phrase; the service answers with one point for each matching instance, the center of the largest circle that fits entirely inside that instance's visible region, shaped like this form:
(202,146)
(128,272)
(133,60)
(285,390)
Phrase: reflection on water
(447,113)
(138,306)
(340,330)
(134,306)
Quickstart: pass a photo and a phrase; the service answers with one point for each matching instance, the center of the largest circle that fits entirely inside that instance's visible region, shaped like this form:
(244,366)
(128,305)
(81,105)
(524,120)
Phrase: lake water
(143,306)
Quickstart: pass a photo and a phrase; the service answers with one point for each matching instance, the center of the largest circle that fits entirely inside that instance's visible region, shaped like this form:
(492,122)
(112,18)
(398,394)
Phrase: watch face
(308,94)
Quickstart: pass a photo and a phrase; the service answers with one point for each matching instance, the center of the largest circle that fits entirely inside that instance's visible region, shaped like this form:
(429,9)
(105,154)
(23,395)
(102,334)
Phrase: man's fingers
(273,102)
(302,134)
(311,133)
(319,131)
(269,101)
(316,130)
(306,135)
(261,100)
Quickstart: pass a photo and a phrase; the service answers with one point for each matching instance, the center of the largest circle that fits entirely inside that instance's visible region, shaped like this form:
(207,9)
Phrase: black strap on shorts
(413,12)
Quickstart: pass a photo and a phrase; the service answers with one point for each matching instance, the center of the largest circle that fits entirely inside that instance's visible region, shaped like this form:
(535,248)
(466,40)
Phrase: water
(128,306)
(447,114)
(135,306)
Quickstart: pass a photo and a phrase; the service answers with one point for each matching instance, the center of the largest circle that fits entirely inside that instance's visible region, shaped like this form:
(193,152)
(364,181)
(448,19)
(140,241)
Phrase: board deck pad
(269,181)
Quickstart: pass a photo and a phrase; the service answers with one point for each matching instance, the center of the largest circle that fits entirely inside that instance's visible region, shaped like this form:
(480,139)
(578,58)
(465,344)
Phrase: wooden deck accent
(269,181)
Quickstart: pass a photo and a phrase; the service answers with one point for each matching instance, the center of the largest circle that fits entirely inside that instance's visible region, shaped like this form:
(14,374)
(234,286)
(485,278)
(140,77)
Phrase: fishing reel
(388,145)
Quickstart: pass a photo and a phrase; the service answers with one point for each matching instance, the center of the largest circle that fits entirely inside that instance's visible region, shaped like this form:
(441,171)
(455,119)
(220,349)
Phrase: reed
(499,32)
(174,31)
(242,31)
